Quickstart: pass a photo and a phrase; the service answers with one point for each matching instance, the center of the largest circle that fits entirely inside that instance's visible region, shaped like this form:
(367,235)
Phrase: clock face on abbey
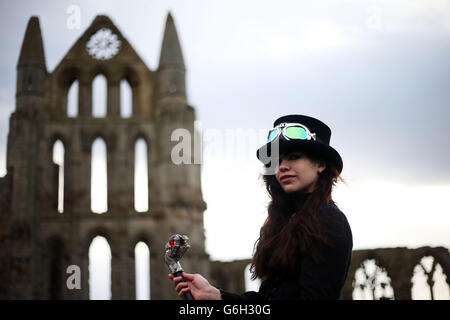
(103,45)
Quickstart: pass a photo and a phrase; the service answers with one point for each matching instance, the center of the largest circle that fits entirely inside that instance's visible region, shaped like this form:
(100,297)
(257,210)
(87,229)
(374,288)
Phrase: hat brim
(313,148)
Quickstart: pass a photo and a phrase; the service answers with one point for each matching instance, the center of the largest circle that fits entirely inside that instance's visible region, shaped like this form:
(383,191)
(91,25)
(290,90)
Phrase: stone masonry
(38,242)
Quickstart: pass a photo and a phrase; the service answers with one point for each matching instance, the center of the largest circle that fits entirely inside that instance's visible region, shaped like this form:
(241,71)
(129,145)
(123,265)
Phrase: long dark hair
(292,226)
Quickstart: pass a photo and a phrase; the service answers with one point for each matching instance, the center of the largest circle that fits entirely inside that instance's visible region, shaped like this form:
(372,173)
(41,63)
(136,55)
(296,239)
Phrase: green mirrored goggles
(291,131)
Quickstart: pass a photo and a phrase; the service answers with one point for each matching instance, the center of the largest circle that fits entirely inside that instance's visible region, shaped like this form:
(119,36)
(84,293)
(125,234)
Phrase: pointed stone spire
(31,69)
(32,45)
(171,55)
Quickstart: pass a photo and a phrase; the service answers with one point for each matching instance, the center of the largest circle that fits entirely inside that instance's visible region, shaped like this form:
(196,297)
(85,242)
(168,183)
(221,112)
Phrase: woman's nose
(283,165)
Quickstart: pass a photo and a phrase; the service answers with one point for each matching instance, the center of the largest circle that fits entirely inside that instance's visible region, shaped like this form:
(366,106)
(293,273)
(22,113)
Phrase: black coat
(312,281)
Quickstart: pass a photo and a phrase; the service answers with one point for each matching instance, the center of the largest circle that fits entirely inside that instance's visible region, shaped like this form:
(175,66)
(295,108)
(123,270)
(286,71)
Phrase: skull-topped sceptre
(175,248)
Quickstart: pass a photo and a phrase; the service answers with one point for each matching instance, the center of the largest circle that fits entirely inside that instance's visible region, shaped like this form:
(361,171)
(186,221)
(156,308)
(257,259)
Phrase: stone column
(121,173)
(122,271)
(77,177)
(85,97)
(113,98)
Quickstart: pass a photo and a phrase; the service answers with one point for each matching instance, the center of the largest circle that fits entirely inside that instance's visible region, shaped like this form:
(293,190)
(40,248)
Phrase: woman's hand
(197,285)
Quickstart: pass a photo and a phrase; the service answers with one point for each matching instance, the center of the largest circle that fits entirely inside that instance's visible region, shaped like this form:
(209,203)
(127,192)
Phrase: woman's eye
(294,156)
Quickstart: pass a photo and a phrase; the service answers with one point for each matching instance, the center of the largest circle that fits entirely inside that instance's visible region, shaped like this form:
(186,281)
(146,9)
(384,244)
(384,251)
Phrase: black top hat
(319,145)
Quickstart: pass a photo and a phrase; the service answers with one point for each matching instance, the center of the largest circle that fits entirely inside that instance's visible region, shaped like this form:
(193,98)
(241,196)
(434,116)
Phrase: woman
(305,245)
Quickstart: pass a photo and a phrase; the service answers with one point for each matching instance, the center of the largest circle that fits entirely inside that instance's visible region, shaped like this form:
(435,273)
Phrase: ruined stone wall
(399,264)
(38,243)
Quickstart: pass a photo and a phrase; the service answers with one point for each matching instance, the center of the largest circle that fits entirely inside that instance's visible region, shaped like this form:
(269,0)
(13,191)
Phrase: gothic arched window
(99,96)
(141,175)
(142,269)
(99,180)
(429,281)
(372,282)
(58,160)
(99,269)
(126,99)
(72,100)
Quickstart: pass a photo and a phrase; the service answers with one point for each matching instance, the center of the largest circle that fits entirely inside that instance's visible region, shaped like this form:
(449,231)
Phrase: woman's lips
(287,178)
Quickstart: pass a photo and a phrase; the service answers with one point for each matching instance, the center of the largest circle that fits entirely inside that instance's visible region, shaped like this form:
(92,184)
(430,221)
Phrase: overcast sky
(377,72)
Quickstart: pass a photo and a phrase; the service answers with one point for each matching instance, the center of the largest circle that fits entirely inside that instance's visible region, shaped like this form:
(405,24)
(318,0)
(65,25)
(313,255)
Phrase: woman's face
(297,173)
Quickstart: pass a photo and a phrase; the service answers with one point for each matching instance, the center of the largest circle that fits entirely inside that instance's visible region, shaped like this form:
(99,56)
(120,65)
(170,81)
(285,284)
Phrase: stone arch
(66,141)
(370,274)
(134,136)
(141,167)
(99,97)
(67,75)
(100,69)
(72,97)
(88,138)
(149,141)
(65,78)
(141,88)
(147,238)
(133,77)
(99,230)
(126,99)
(141,236)
(99,176)
(107,233)
(440,258)
(101,256)
(142,268)
(443,258)
(58,174)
